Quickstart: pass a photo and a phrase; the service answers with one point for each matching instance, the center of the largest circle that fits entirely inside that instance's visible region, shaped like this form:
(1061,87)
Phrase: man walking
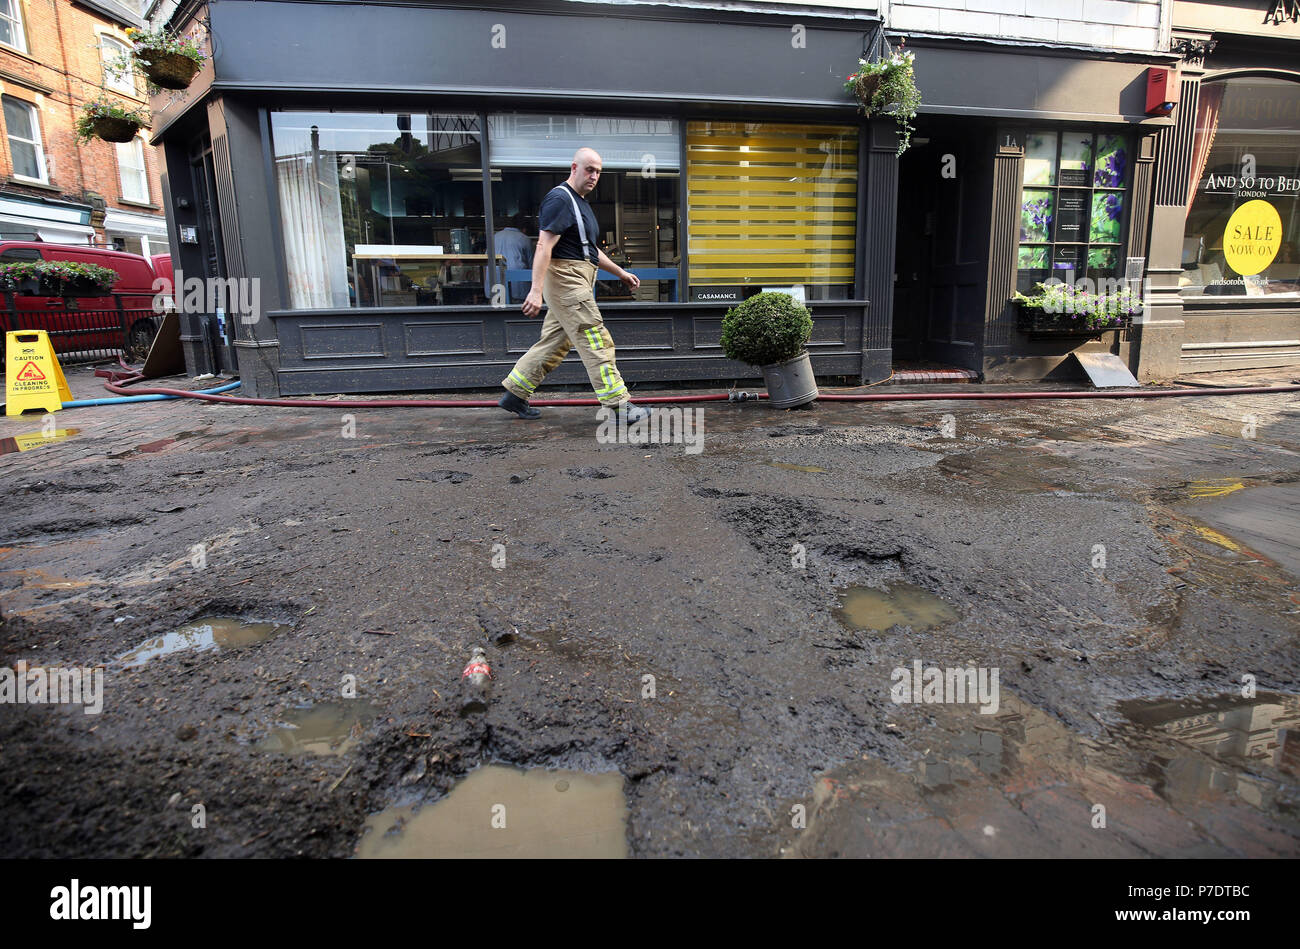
(564,265)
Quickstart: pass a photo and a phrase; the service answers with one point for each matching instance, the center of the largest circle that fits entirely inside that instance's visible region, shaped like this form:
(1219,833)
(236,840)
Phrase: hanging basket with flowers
(887,85)
(109,120)
(166,60)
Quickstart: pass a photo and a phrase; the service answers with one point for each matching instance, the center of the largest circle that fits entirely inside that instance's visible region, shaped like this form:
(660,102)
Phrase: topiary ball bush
(766,329)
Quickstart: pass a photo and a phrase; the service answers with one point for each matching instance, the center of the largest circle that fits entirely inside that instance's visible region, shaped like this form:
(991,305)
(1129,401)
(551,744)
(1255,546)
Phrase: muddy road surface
(895,629)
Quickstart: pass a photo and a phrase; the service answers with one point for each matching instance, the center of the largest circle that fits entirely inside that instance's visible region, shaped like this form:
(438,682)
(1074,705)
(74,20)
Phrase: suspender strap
(582,228)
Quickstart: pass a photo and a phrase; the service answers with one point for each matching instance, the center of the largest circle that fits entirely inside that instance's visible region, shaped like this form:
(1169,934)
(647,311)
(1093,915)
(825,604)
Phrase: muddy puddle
(901,604)
(1214,776)
(326,728)
(1212,561)
(810,469)
(1016,470)
(503,812)
(35,440)
(203,635)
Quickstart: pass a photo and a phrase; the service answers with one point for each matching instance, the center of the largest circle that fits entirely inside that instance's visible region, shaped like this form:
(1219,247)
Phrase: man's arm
(607,265)
(541,260)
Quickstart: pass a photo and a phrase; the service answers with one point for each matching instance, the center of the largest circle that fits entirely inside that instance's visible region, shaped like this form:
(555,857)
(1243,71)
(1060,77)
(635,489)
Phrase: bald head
(584,171)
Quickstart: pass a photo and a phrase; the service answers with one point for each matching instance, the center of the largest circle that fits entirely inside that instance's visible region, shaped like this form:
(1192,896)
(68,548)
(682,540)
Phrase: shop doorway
(204,185)
(945,183)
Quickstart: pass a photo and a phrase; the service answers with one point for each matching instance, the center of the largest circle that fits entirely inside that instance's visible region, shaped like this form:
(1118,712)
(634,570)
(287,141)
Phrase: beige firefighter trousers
(572,319)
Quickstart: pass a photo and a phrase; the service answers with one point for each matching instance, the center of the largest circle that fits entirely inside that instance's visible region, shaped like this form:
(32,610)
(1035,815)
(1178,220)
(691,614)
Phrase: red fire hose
(117,386)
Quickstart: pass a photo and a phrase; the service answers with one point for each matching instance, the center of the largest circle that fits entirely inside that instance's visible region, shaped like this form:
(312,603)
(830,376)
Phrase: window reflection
(381,209)
(636,201)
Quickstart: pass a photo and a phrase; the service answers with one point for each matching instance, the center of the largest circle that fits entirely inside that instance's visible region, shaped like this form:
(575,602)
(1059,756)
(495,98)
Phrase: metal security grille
(771,204)
(82,334)
(229,217)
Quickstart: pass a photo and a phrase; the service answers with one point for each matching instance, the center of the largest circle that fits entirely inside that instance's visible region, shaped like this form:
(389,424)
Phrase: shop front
(1226,240)
(383,187)
(45,219)
(391,217)
(1029,165)
(135,232)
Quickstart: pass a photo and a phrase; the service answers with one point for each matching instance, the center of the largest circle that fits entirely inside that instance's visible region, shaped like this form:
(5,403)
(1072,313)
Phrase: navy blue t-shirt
(556,216)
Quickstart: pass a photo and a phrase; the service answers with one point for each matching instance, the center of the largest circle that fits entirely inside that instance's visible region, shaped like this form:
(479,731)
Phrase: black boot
(512,403)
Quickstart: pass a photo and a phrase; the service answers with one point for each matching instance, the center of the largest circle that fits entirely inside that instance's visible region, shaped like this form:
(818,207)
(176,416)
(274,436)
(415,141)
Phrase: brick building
(53,56)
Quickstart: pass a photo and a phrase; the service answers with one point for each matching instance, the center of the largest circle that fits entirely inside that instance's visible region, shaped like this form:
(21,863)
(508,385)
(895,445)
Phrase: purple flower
(1111,169)
(1038,214)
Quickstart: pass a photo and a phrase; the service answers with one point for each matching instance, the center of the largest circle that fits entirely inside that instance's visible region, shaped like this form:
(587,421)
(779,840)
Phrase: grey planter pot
(790,383)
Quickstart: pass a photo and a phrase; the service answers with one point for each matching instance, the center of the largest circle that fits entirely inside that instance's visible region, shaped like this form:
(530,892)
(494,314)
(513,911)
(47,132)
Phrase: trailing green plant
(888,86)
(147,42)
(1079,306)
(58,275)
(106,108)
(766,329)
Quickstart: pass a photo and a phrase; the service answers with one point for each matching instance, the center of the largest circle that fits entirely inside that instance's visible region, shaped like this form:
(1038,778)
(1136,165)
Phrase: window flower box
(57,278)
(1059,309)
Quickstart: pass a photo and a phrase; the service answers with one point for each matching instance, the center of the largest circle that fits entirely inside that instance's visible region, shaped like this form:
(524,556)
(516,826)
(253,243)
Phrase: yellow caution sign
(33,379)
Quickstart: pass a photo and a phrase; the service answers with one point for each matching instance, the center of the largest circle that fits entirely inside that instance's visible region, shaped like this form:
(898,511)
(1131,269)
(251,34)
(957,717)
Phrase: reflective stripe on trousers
(572,321)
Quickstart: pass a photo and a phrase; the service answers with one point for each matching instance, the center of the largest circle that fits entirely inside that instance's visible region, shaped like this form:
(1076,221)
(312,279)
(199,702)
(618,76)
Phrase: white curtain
(313,231)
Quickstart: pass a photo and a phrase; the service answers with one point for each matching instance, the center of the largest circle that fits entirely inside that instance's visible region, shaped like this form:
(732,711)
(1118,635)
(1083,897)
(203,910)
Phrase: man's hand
(630,280)
(532,304)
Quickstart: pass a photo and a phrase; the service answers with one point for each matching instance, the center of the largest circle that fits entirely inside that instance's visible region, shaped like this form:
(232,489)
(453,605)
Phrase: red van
(91,325)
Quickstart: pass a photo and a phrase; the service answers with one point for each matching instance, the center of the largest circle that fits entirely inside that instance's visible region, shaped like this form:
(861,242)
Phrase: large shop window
(388,209)
(1243,217)
(771,206)
(1073,206)
(381,209)
(637,201)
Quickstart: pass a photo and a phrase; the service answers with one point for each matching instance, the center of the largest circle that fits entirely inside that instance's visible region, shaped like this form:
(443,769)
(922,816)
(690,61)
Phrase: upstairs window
(132,171)
(24,131)
(111,53)
(11,25)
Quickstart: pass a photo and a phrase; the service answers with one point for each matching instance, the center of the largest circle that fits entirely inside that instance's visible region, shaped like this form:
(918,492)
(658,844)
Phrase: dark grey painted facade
(380,350)
(706,64)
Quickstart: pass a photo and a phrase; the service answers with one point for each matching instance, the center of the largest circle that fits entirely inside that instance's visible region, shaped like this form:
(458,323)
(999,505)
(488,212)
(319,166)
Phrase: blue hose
(119,400)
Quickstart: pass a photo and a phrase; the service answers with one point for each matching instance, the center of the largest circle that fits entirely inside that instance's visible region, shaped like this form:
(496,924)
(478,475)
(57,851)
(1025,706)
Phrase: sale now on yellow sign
(1252,238)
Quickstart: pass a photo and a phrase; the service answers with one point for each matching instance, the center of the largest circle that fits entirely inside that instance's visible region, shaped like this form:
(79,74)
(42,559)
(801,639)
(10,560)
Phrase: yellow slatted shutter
(771,204)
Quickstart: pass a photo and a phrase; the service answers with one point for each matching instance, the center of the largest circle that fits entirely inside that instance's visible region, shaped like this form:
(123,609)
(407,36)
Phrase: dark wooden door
(942,248)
